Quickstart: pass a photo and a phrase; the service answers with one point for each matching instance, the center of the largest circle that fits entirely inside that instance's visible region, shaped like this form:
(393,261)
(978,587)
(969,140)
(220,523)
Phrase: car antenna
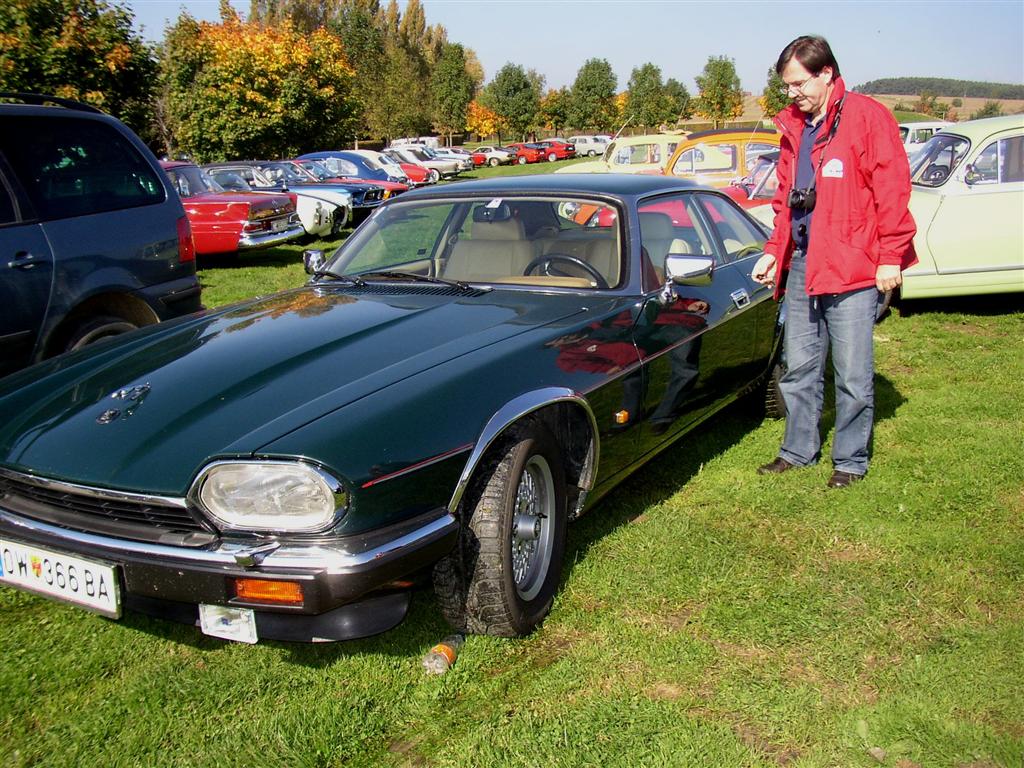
(628,120)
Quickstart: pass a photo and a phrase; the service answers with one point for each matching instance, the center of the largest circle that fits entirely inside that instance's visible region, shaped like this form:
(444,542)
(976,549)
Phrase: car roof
(652,138)
(977,130)
(732,133)
(622,185)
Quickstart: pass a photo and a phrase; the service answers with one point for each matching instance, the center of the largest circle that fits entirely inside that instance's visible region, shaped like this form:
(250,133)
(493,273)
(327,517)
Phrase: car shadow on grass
(997,304)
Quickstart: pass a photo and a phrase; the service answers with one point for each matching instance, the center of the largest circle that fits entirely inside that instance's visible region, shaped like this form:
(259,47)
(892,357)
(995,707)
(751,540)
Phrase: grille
(104,512)
(374,195)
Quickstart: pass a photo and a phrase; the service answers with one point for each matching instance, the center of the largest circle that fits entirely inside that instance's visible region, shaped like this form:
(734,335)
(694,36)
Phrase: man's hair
(812,51)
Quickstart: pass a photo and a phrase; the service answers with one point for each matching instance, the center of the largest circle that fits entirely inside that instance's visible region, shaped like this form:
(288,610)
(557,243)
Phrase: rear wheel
(552,157)
(494,162)
(435,176)
(774,404)
(502,575)
(96,329)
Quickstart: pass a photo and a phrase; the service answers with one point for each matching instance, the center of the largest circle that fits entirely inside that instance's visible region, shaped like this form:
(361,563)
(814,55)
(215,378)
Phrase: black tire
(774,404)
(97,329)
(494,162)
(494,582)
(339,222)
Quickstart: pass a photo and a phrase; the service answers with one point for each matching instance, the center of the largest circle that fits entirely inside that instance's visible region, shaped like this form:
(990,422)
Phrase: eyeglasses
(799,87)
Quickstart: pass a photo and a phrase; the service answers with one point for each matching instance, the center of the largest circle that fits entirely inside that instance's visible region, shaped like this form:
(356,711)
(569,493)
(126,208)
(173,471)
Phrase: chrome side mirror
(689,269)
(313,259)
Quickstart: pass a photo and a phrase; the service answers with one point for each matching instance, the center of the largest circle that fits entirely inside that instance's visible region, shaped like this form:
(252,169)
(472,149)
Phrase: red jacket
(861,217)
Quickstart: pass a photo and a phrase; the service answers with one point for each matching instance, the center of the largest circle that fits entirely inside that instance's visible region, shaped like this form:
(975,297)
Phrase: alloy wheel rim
(532,536)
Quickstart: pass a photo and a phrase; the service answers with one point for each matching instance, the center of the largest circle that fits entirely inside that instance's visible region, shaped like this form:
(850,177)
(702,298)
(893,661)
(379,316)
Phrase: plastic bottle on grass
(441,657)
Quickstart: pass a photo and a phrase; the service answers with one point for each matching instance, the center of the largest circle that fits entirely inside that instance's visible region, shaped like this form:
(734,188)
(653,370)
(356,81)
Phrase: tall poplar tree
(719,96)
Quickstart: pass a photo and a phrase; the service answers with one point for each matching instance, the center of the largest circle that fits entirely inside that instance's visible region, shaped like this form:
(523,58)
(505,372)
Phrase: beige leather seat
(656,236)
(494,250)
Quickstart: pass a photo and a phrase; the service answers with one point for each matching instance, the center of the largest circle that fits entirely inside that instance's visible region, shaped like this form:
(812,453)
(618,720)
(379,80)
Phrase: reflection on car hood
(226,383)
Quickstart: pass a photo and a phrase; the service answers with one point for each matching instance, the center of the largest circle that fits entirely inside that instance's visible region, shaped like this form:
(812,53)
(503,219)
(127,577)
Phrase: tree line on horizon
(940,86)
(301,75)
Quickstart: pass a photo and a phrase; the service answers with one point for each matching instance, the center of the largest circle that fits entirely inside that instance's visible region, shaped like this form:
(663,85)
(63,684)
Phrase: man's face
(809,92)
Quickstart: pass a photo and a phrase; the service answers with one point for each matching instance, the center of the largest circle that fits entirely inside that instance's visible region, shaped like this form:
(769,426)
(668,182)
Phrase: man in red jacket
(843,235)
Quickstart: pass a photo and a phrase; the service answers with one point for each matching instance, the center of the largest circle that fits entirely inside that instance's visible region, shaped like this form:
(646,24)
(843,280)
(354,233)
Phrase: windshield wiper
(344,278)
(390,274)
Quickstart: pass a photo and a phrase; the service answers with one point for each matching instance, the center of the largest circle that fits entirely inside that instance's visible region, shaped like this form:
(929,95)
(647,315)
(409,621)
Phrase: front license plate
(86,583)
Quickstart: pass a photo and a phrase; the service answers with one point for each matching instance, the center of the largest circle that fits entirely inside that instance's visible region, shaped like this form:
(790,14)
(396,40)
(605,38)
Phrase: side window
(1011,160)
(669,224)
(75,167)
(985,168)
(754,150)
(684,164)
(740,238)
(716,157)
(8,211)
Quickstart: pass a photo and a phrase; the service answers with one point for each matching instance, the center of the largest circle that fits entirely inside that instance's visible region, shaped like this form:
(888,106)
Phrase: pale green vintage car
(968,202)
(632,154)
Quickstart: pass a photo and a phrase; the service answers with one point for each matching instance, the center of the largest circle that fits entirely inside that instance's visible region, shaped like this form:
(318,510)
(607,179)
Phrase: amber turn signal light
(266,591)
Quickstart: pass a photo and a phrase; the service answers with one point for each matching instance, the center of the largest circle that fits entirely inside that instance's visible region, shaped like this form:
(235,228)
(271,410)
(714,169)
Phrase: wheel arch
(122,305)
(569,417)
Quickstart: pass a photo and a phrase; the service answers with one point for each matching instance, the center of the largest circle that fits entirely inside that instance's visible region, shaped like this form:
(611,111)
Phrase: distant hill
(941,86)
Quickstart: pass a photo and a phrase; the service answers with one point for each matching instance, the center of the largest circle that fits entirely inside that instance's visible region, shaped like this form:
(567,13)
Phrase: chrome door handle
(740,298)
(22,260)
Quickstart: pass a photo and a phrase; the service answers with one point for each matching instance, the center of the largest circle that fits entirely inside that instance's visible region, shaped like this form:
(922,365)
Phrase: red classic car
(226,222)
(556,149)
(527,153)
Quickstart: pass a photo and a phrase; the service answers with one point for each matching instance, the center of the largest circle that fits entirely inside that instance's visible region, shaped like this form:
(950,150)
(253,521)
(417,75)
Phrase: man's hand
(887,277)
(764,270)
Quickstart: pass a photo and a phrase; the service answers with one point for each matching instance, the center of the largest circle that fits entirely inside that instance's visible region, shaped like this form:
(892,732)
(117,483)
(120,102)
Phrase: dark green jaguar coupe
(477,364)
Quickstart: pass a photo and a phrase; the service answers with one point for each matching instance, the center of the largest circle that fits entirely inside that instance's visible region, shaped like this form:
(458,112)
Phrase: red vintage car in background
(527,152)
(228,222)
(556,149)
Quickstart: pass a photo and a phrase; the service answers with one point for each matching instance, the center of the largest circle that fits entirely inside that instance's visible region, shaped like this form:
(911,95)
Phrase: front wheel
(552,157)
(494,162)
(522,160)
(502,575)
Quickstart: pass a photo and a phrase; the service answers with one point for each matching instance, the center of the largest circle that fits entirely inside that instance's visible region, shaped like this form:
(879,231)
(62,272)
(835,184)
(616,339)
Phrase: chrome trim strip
(417,466)
(1005,268)
(95,493)
(340,556)
(513,411)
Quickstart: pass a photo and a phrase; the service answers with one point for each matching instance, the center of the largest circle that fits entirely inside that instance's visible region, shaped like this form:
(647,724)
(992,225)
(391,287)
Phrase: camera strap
(831,134)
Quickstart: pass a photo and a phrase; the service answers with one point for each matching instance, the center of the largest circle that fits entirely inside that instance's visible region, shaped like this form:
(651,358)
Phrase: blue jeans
(846,321)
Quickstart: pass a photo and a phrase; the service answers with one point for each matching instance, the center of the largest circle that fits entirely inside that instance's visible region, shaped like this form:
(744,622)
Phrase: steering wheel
(935,173)
(547,258)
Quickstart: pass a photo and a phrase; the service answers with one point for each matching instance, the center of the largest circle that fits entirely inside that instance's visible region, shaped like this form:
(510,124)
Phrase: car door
(697,342)
(26,273)
(978,226)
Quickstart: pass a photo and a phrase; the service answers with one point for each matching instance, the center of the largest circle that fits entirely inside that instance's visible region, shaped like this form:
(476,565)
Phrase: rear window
(74,167)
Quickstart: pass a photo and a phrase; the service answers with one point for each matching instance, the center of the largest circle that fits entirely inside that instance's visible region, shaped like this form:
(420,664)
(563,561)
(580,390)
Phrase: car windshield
(536,241)
(321,171)
(937,159)
(417,153)
(286,172)
(340,167)
(191,180)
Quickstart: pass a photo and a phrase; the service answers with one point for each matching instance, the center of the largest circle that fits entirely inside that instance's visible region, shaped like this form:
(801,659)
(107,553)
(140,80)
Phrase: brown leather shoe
(842,479)
(776,467)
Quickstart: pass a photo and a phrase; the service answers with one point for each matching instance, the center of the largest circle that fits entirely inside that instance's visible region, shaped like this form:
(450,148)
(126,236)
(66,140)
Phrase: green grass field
(707,616)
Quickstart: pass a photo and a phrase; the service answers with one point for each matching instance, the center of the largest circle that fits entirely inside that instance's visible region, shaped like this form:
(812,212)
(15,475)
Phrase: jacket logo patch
(833,169)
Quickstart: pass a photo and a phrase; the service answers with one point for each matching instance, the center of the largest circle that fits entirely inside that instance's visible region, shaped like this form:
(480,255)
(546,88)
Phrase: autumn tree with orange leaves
(77,49)
(245,90)
(482,121)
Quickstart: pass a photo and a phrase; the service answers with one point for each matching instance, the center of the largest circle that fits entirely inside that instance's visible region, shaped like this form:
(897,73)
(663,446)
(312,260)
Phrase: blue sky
(977,40)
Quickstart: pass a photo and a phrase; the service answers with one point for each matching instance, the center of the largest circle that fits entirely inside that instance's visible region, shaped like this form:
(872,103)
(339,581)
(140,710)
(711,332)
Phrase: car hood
(146,413)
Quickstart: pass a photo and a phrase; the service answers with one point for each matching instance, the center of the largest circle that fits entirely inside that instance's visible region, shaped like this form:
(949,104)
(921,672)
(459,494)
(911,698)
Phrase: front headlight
(286,496)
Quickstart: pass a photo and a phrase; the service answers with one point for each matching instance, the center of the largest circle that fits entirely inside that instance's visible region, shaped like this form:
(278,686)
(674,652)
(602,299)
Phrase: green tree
(355,23)
(246,90)
(554,108)
(679,100)
(78,49)
(774,97)
(719,96)
(592,98)
(452,90)
(647,101)
(514,97)
(989,109)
